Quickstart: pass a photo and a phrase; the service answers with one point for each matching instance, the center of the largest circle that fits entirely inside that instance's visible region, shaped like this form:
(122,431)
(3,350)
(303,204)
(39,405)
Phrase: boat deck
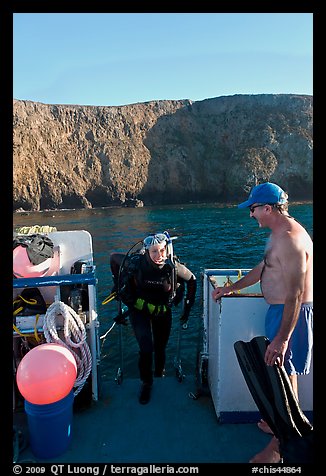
(171,428)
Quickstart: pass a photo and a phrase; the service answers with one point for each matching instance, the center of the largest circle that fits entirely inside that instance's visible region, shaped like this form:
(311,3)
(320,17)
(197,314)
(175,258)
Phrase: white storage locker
(233,318)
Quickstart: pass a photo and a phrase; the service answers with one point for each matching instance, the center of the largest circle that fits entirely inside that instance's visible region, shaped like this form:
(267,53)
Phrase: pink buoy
(46,374)
(23,268)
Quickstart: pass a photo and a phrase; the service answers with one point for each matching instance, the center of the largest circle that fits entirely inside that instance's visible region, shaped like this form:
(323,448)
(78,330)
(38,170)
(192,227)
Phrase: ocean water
(208,236)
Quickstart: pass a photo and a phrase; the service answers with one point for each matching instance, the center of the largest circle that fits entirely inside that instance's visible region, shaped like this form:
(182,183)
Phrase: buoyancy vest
(140,278)
(153,283)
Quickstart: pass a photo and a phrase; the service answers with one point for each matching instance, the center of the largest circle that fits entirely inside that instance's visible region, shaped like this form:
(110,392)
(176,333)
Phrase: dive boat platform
(171,428)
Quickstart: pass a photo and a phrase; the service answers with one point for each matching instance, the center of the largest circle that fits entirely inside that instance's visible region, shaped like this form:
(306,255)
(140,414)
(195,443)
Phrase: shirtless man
(286,277)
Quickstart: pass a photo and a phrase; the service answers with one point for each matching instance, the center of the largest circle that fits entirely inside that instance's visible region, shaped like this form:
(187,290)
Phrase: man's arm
(249,279)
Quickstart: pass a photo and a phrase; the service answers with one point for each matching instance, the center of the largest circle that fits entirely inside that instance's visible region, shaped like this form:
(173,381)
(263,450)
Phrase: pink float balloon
(46,374)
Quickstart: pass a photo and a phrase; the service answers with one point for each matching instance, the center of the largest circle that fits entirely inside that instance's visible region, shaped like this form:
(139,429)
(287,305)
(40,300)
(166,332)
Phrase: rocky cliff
(160,152)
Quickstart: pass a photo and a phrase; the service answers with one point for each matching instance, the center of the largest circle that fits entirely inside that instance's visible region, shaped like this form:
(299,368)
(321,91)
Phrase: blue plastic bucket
(50,426)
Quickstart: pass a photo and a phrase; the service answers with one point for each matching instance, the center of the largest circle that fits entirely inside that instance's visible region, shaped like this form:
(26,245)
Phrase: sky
(112,59)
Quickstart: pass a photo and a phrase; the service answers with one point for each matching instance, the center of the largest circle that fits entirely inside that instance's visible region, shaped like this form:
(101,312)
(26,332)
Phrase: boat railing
(60,280)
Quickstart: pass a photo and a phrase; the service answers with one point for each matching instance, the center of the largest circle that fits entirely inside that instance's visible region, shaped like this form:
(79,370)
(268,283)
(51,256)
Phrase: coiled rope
(74,338)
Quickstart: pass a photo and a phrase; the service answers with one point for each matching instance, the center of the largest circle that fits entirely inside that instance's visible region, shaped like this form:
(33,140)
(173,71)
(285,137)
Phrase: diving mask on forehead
(154,239)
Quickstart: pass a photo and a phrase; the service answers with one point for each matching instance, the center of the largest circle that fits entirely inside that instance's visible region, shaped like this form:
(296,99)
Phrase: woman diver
(149,283)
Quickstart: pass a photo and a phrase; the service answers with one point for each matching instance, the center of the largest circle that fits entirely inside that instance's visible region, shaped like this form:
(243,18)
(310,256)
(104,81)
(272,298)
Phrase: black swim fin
(272,392)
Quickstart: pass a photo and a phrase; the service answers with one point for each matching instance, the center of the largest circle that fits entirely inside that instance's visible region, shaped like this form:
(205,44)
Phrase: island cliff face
(160,152)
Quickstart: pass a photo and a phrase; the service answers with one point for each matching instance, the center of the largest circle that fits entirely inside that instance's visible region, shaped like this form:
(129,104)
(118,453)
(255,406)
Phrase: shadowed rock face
(160,152)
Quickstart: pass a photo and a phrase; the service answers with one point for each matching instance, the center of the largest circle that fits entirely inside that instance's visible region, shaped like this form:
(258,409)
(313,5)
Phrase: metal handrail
(65,279)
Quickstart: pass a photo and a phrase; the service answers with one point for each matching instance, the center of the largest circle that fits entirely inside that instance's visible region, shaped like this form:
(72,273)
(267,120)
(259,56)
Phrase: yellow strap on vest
(139,304)
(152,308)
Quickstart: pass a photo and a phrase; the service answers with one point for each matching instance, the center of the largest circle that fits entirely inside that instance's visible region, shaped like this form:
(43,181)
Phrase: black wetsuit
(150,286)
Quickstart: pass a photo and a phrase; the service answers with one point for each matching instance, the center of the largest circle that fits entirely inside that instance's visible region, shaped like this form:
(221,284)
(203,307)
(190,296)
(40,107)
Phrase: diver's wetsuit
(148,283)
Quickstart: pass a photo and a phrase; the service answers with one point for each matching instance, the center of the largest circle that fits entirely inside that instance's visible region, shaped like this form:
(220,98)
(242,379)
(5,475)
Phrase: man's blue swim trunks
(297,359)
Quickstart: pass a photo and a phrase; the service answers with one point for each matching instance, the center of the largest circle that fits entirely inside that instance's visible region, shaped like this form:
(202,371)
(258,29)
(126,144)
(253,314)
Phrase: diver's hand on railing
(121,318)
(184,321)
(185,314)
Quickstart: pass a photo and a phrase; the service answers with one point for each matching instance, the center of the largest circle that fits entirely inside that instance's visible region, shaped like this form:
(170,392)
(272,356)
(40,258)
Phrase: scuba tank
(170,261)
(169,246)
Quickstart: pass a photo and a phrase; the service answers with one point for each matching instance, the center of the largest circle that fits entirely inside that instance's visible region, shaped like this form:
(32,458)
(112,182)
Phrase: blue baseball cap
(265,193)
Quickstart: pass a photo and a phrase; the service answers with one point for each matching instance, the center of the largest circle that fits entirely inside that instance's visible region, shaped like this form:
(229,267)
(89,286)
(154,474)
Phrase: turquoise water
(208,236)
